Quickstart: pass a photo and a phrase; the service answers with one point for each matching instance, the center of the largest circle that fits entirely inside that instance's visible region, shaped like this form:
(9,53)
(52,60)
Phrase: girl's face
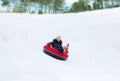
(58,38)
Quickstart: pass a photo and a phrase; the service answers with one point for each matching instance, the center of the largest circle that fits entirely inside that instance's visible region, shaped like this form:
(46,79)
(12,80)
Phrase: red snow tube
(55,53)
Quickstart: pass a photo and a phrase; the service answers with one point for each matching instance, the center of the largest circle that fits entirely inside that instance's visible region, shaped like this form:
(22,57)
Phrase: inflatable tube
(55,53)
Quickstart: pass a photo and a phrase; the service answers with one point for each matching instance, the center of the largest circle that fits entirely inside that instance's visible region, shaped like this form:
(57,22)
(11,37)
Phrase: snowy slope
(94,52)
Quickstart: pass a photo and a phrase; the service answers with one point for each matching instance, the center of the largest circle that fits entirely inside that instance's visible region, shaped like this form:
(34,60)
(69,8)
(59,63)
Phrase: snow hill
(94,52)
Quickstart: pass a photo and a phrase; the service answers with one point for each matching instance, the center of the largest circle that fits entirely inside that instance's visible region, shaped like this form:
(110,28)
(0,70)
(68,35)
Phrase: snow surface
(94,52)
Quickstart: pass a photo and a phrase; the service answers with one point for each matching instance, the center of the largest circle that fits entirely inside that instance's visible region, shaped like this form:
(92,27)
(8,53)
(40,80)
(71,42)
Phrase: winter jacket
(57,45)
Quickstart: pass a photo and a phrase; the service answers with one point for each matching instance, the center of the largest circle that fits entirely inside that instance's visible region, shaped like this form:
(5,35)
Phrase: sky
(94,46)
(69,2)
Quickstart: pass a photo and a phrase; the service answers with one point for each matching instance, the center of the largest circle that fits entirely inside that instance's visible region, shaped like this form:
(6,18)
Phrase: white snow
(94,52)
